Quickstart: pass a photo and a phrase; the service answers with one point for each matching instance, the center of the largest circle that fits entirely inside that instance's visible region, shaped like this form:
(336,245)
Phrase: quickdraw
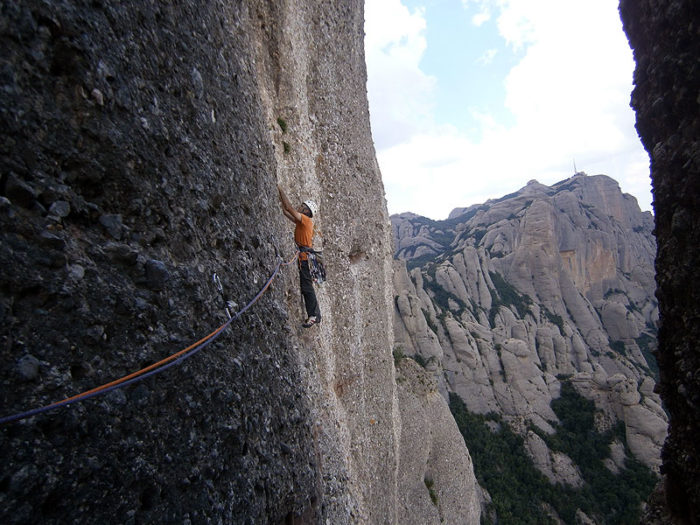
(228,305)
(316,267)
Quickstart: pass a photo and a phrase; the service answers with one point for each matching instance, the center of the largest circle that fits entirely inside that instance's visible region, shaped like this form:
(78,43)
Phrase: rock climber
(303,236)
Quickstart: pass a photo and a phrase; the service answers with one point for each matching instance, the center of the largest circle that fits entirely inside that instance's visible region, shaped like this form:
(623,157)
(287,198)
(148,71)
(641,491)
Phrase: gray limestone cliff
(666,43)
(503,302)
(141,148)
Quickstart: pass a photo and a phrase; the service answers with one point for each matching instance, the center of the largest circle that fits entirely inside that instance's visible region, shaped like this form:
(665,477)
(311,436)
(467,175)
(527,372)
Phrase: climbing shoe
(311,321)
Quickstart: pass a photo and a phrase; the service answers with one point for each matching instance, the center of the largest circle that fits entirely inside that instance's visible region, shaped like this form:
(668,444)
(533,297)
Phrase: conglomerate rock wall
(141,146)
(665,38)
(136,164)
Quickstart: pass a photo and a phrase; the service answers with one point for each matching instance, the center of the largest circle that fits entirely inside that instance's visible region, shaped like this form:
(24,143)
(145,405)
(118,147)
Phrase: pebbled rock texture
(665,38)
(137,163)
(141,146)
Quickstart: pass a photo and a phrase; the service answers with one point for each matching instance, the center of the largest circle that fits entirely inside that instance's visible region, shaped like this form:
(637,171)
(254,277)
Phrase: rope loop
(155,368)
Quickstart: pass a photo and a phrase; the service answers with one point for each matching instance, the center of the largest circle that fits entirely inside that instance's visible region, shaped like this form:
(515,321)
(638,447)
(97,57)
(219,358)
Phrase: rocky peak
(506,301)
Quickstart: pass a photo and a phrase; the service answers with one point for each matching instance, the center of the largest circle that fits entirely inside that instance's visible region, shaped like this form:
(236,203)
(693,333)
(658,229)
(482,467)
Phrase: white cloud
(400,94)
(481,17)
(568,94)
(487,57)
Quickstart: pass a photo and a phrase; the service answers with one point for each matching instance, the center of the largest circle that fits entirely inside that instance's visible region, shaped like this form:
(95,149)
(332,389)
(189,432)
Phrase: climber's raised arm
(287,208)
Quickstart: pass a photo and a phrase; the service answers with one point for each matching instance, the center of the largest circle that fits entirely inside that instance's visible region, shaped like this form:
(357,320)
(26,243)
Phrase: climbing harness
(158,367)
(316,266)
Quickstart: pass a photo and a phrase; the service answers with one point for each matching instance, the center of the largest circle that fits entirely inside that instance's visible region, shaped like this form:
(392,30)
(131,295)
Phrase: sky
(471,99)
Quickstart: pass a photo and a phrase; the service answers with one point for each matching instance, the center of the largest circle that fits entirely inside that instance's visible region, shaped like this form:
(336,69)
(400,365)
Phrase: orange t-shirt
(304,234)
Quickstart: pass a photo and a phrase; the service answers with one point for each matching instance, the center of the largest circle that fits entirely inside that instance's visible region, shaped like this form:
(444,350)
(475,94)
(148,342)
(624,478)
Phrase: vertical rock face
(664,37)
(436,477)
(141,148)
(136,163)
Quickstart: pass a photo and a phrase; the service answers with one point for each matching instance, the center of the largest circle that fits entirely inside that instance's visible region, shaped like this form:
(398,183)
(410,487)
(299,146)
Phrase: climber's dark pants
(307,290)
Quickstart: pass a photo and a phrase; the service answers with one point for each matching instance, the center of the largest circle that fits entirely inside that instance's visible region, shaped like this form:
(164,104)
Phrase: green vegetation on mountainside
(519,491)
(506,295)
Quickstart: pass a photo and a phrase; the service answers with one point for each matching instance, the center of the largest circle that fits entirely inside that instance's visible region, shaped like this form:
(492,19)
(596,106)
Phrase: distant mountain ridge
(508,301)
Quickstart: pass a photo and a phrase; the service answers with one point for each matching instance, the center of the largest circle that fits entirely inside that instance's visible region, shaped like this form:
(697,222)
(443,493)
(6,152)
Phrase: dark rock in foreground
(664,37)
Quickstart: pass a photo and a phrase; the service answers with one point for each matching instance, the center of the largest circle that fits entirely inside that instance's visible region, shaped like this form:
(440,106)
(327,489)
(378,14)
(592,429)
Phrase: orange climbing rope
(155,368)
(143,370)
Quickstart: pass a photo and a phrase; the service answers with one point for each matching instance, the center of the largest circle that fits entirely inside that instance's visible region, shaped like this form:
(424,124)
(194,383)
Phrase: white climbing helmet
(312,206)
